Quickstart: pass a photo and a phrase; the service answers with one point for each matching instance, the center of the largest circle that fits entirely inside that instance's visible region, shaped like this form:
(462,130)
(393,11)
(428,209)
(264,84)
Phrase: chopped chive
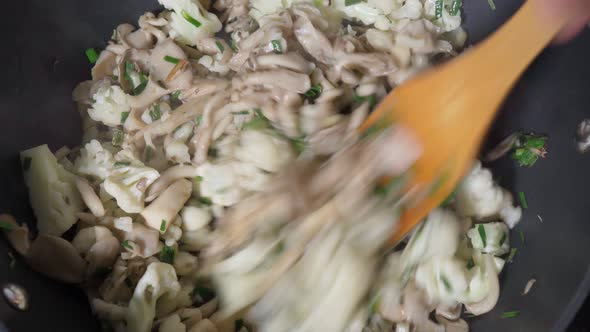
(122,163)
(198,178)
(351,2)
(372,99)
(276,46)
(492,5)
(511,255)
(233,45)
(142,85)
(470,264)
(523,201)
(449,199)
(446,283)
(438,8)
(220,46)
(124,116)
(171,59)
(27,163)
(5,225)
(205,200)
(92,55)
(313,92)
(125,244)
(129,68)
(258,122)
(510,314)
(238,324)
(118,137)
(482,233)
(521,234)
(175,96)
(241,113)
(455,7)
(198,119)
(167,254)
(163,226)
(155,113)
(189,18)
(298,144)
(502,240)
(203,293)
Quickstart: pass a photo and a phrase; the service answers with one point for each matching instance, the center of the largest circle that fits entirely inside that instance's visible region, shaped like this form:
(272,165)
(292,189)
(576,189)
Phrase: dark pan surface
(43,58)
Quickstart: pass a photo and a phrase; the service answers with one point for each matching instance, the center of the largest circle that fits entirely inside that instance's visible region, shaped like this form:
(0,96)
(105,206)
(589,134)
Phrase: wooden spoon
(450,107)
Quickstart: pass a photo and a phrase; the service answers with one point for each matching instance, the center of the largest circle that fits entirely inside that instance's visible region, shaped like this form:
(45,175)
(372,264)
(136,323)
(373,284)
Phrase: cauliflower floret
(190,22)
(110,102)
(52,191)
(495,235)
(94,160)
(195,218)
(158,280)
(263,150)
(478,196)
(127,184)
(220,183)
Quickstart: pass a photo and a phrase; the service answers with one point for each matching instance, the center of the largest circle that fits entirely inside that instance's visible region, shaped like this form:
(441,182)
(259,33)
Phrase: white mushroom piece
(490,275)
(56,258)
(162,211)
(175,76)
(89,197)
(169,176)
(143,241)
(98,246)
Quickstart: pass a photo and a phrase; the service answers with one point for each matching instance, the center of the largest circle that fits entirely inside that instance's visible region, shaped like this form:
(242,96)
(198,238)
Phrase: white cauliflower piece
(495,235)
(110,102)
(444,280)
(94,160)
(195,218)
(190,21)
(478,196)
(219,183)
(158,280)
(370,12)
(264,150)
(52,191)
(127,184)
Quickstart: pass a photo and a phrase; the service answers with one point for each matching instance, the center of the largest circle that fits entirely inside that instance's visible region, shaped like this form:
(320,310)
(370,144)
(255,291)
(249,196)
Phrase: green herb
(449,199)
(374,305)
(92,55)
(118,137)
(143,83)
(318,3)
(455,7)
(492,4)
(438,9)
(163,226)
(521,234)
(129,69)
(198,119)
(351,2)
(233,45)
(125,244)
(372,99)
(171,59)
(510,314)
(522,198)
(198,178)
(203,293)
(189,18)
(167,254)
(128,282)
(502,239)
(175,96)
(238,324)
(511,255)
(205,200)
(258,122)
(27,163)
(446,283)
(528,148)
(122,164)
(470,264)
(155,113)
(241,113)
(482,233)
(313,92)
(298,144)
(5,225)
(276,46)
(124,116)
(220,46)
(148,154)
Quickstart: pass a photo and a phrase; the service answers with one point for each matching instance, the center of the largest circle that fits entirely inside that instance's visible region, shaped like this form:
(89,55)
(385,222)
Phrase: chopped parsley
(482,233)
(446,283)
(455,7)
(276,46)
(143,83)
(143,80)
(522,198)
(163,226)
(510,314)
(492,5)
(118,137)
(205,200)
(167,254)
(155,112)
(5,225)
(511,255)
(27,163)
(313,93)
(438,9)
(121,163)
(92,55)
(351,2)
(220,46)
(190,19)
(171,59)
(124,116)
(127,245)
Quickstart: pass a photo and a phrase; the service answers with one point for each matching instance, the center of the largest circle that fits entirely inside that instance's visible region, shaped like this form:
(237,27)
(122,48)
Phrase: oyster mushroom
(17,235)
(104,66)
(56,258)
(160,214)
(146,240)
(458,325)
(89,197)
(160,68)
(98,246)
(491,277)
(172,174)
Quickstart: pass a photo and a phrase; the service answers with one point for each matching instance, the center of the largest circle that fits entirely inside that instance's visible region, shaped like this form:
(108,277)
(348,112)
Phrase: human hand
(578,10)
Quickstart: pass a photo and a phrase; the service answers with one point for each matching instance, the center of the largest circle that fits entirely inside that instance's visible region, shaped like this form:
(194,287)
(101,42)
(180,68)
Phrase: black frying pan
(42,58)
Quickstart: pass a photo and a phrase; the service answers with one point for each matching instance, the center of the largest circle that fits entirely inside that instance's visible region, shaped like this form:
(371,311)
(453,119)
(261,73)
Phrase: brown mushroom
(104,66)
(56,258)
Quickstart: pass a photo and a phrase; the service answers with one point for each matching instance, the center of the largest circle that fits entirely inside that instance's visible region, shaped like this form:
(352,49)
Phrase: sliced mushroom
(89,197)
(452,313)
(104,66)
(160,214)
(18,235)
(292,61)
(160,68)
(280,78)
(152,92)
(313,41)
(56,258)
(146,240)
(491,277)
(172,174)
